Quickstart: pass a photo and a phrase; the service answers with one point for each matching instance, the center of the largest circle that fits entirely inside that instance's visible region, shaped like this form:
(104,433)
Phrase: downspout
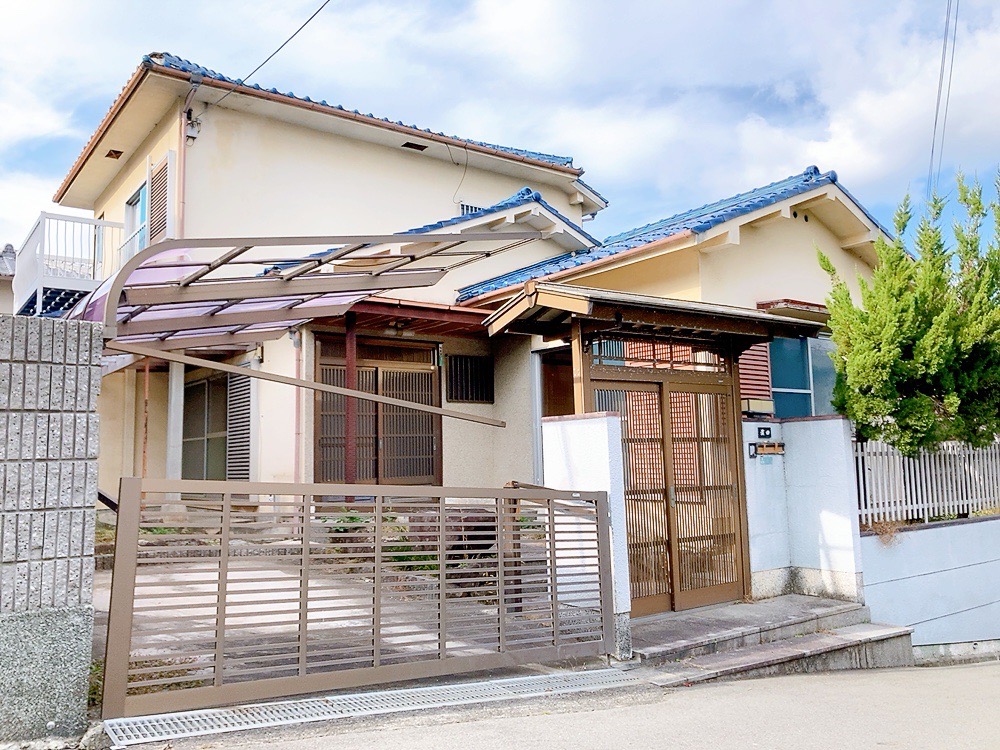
(183,118)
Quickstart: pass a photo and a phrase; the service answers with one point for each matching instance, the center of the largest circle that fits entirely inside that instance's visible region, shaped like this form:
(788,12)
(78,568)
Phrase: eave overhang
(549,310)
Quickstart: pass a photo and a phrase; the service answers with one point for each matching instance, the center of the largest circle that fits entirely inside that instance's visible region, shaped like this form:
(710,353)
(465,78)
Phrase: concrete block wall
(50,378)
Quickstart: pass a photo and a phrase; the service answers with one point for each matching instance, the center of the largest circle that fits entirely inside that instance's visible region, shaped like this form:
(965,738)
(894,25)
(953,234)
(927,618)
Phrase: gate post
(49,381)
(583,452)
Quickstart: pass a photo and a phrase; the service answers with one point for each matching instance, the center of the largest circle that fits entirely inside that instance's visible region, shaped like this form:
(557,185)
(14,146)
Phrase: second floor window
(135,222)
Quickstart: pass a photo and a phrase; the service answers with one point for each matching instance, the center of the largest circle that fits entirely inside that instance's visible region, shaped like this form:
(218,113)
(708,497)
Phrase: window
(470,379)
(216,436)
(135,224)
(393,444)
(802,377)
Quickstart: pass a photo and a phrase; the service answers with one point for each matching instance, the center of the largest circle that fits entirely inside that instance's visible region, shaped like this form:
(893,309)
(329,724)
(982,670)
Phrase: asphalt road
(942,707)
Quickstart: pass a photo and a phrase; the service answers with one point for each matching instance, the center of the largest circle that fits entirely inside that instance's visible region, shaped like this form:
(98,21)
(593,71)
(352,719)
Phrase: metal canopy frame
(185,290)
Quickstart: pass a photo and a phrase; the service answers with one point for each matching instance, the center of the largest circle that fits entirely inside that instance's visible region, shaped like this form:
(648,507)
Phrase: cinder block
(17,349)
(6,336)
(26,486)
(41,445)
(39,471)
(59,343)
(45,339)
(72,341)
(4,384)
(8,537)
(30,387)
(68,436)
(32,340)
(44,401)
(69,388)
(16,386)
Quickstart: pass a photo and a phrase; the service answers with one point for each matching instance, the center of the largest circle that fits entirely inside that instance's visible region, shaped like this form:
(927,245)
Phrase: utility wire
(281,47)
(937,105)
(947,95)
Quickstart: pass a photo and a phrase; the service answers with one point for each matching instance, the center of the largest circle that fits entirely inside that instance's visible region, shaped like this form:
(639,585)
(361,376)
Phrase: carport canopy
(218,291)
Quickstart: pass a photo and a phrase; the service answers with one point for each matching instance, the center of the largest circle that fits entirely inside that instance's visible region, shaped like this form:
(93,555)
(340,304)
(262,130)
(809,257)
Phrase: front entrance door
(682,494)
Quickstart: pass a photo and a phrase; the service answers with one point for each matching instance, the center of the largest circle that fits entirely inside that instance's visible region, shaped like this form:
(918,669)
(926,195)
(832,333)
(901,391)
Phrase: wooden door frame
(378,365)
(655,603)
(587,376)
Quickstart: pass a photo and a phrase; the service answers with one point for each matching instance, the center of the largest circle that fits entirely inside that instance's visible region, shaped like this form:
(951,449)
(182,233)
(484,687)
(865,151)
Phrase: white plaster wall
(777,261)
(584,453)
(943,580)
(767,516)
(823,533)
(283,422)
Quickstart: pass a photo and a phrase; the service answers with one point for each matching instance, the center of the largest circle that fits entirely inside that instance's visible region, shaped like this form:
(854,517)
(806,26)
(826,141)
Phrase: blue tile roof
(696,220)
(522,197)
(168,60)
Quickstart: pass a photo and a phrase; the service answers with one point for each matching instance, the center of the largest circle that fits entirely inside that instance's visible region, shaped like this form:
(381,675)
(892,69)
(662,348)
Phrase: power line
(281,47)
(947,95)
(940,89)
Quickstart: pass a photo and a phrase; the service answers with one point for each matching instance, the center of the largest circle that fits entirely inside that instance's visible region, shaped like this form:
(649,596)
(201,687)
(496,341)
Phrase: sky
(666,105)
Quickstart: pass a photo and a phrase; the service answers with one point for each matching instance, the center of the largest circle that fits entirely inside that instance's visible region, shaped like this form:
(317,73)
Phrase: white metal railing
(955,481)
(132,245)
(64,252)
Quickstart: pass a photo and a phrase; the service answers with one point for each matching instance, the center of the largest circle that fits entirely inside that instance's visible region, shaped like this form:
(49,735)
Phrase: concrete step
(736,626)
(863,646)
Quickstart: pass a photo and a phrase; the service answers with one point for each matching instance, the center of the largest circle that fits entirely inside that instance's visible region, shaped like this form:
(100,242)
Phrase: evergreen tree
(918,361)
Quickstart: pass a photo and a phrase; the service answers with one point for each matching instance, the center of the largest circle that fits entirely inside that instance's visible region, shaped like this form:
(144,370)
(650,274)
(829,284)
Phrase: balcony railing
(66,255)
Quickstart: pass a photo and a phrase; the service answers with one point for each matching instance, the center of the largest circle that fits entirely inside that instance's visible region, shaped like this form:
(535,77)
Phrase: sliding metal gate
(235,591)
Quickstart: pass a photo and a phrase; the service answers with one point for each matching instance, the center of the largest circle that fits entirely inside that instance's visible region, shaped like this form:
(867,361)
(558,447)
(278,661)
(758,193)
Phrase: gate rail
(226,592)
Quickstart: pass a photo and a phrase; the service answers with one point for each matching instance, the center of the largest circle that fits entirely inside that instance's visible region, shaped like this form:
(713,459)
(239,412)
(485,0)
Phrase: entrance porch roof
(549,309)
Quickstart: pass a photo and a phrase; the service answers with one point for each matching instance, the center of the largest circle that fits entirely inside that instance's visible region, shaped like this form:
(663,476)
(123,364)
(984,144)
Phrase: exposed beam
(192,322)
(858,239)
(184,359)
(246,290)
(212,340)
(215,264)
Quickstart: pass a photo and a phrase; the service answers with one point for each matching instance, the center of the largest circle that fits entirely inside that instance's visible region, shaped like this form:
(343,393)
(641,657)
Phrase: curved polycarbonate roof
(258,287)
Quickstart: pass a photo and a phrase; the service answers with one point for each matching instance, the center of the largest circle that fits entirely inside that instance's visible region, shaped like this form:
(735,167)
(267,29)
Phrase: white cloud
(667,105)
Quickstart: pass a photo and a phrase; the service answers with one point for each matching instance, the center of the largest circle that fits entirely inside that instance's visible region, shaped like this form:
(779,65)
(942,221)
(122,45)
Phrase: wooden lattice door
(646,491)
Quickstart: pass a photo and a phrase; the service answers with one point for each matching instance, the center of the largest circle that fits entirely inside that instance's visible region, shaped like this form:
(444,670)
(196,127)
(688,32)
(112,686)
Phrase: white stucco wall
(584,453)
(767,516)
(823,533)
(777,261)
(802,511)
(942,580)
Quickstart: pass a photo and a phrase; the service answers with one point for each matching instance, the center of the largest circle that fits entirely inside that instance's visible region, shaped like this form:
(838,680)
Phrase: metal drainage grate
(137,730)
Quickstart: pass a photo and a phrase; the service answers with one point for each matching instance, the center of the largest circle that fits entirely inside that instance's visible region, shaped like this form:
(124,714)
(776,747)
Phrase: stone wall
(49,381)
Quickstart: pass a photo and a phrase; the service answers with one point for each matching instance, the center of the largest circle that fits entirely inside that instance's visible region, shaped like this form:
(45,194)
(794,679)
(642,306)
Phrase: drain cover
(137,730)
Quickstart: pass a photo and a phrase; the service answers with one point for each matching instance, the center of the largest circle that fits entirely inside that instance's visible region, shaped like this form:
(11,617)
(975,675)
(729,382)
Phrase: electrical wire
(947,95)
(268,59)
(937,105)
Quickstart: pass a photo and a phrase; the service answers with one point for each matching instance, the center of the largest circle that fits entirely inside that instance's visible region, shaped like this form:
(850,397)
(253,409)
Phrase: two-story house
(650,323)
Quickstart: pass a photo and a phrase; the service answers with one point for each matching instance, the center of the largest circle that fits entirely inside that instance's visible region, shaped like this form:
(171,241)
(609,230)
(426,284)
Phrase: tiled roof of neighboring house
(7,261)
(522,197)
(696,220)
(186,66)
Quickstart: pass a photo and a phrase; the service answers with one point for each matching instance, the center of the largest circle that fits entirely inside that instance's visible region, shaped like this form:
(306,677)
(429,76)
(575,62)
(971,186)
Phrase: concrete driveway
(944,707)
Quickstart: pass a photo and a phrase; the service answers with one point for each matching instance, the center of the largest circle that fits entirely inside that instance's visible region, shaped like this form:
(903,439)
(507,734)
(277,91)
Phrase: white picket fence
(955,480)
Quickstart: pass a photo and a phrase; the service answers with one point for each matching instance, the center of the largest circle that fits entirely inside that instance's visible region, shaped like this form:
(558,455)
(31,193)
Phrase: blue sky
(665,105)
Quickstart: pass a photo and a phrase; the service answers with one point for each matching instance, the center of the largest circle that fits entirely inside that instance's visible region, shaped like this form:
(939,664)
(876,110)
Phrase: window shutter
(238,429)
(755,374)
(159,221)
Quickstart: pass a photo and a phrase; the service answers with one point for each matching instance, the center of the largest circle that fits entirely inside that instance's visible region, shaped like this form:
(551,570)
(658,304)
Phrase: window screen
(470,379)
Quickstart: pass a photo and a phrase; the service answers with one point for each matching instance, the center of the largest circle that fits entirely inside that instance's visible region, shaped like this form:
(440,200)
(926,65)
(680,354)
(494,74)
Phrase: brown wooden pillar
(350,403)
(582,402)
